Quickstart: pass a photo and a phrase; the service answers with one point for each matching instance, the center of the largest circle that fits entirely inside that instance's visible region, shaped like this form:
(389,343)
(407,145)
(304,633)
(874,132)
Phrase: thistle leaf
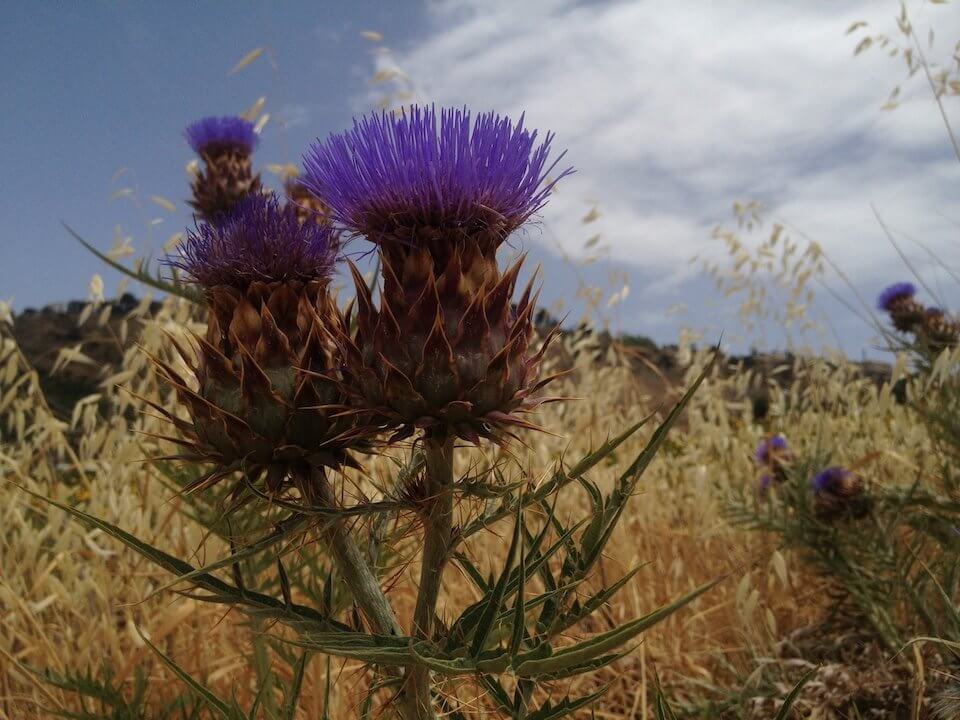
(380,649)
(548,711)
(603,643)
(291,700)
(587,667)
(788,702)
(224,710)
(290,526)
(495,599)
(661,708)
(594,602)
(142,276)
(472,572)
(252,603)
(559,480)
(519,609)
(497,693)
(617,501)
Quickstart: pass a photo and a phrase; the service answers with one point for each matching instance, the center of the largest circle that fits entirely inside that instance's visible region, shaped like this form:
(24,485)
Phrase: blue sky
(91,88)
(670,112)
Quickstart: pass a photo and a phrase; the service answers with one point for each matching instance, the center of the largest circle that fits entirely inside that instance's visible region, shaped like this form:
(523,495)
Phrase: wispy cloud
(672,111)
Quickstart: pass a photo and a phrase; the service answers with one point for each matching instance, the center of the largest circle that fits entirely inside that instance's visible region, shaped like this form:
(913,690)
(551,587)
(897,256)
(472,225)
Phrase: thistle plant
(225,144)
(898,300)
(929,337)
(888,550)
(932,327)
(285,393)
(773,457)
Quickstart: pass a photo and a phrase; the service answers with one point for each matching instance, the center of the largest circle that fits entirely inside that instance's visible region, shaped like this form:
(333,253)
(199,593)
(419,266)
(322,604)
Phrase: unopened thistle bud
(267,394)
(938,329)
(838,493)
(438,193)
(307,206)
(897,300)
(225,144)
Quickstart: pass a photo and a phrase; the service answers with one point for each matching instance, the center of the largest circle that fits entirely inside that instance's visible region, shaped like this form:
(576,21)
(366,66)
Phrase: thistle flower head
(830,479)
(768,446)
(425,173)
(839,493)
(210,134)
(260,240)
(892,293)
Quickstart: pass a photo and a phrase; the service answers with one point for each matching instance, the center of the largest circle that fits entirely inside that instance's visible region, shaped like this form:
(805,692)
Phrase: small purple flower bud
(897,291)
(259,240)
(209,134)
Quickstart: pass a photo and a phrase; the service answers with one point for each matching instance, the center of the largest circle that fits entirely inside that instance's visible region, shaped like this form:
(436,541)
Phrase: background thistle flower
(215,135)
(839,492)
(267,387)
(938,329)
(770,448)
(307,206)
(773,455)
(438,193)
(225,144)
(897,300)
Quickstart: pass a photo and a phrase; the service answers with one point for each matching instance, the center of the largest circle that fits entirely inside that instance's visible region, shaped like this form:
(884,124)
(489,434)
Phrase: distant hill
(42,334)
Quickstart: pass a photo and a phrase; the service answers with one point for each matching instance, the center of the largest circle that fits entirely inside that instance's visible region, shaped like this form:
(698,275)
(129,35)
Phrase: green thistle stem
(354,568)
(365,589)
(437,516)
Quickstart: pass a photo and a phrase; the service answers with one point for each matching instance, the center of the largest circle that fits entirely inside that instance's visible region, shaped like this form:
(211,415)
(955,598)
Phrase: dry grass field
(73,600)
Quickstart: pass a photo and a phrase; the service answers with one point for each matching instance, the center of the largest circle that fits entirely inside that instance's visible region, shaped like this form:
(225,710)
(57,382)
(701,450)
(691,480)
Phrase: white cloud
(671,111)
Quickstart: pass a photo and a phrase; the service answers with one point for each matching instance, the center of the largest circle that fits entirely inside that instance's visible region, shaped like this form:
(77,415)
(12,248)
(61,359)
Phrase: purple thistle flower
(441,170)
(776,443)
(258,240)
(894,292)
(830,479)
(212,133)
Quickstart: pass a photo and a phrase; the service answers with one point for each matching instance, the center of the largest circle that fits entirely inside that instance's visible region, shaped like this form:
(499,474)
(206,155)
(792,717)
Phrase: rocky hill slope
(43,335)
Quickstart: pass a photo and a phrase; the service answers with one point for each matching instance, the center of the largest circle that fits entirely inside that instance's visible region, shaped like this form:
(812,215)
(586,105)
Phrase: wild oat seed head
(260,240)
(211,133)
(894,292)
(429,168)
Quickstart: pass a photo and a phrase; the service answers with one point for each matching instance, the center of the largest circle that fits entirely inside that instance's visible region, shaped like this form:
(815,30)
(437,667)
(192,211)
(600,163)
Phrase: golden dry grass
(70,598)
